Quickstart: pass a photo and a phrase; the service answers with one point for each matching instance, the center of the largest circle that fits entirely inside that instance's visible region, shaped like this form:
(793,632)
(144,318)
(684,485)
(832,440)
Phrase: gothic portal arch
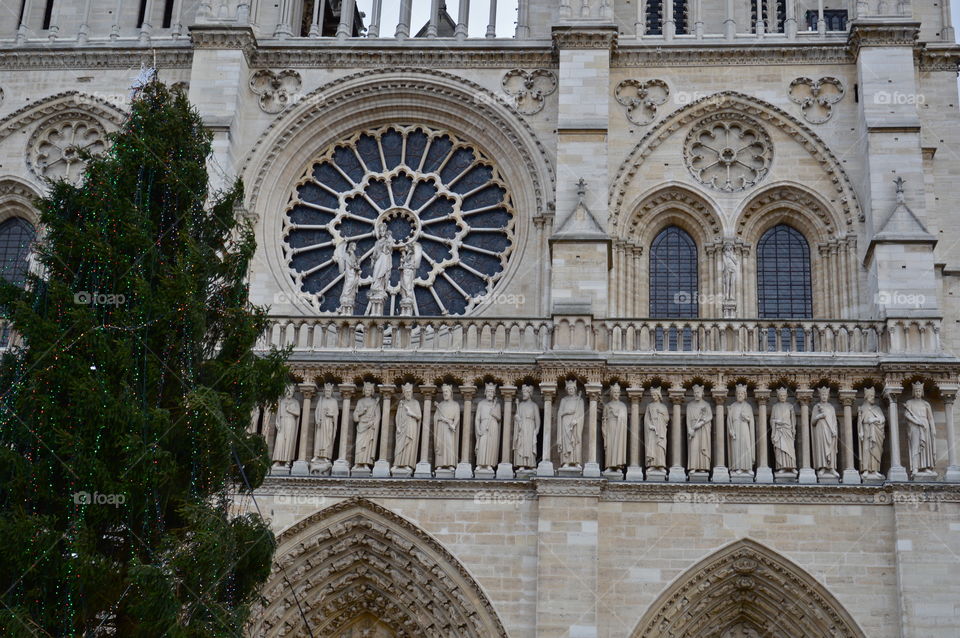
(746,590)
(358,566)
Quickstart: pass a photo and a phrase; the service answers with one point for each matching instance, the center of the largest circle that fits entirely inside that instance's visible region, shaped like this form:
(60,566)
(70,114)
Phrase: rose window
(57,147)
(728,153)
(399,220)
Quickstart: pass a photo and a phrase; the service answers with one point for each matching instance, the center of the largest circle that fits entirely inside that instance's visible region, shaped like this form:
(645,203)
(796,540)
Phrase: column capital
(387,389)
(891,392)
(593,390)
(719,394)
(307,389)
(948,392)
(347,389)
(804,395)
(635,394)
(508,391)
(677,395)
(468,390)
(762,395)
(548,390)
(847,396)
(428,389)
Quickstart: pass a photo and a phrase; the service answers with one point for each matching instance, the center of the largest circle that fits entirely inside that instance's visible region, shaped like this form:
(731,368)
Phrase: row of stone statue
(493,438)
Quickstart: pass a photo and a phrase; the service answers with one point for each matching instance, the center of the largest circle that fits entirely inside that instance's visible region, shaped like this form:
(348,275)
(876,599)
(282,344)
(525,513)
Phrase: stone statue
(823,420)
(486,426)
(446,423)
(656,419)
(730,273)
(325,428)
(410,260)
(741,431)
(288,420)
(367,417)
(699,420)
(871,426)
(783,433)
(409,416)
(349,264)
(382,266)
(570,414)
(922,434)
(525,430)
(615,431)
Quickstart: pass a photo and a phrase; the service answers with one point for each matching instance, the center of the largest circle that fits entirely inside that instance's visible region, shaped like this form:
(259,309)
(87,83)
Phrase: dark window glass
(836,19)
(783,275)
(655,16)
(673,276)
(16,234)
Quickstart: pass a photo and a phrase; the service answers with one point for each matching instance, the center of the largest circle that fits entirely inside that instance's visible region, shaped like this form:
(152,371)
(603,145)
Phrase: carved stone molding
(528,89)
(706,55)
(223,37)
(642,98)
(54,150)
(276,90)
(940,58)
(702,219)
(380,58)
(357,559)
(746,582)
(814,216)
(576,37)
(16,200)
(127,58)
(728,152)
(816,97)
(882,34)
(74,101)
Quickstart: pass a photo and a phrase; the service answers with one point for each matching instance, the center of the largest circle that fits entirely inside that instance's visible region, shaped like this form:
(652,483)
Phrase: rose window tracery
(399,220)
(57,146)
(728,153)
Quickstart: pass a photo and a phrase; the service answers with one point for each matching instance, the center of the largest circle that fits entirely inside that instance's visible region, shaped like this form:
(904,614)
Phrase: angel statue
(346,257)
(410,260)
(382,266)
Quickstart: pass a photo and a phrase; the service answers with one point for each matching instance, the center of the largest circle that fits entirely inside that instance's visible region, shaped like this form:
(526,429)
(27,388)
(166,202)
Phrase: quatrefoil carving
(529,89)
(816,97)
(276,90)
(642,98)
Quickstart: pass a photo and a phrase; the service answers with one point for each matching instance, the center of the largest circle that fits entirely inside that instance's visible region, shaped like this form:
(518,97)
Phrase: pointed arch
(837,182)
(746,586)
(358,562)
(58,104)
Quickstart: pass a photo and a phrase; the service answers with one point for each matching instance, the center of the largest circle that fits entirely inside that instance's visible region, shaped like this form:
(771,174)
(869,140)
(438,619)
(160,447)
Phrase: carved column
(790,21)
(634,470)
(669,23)
(345,28)
(764,473)
(592,467)
(850,473)
(807,475)
(730,22)
(545,467)
(463,20)
(897,471)
(403,26)
(301,466)
(677,473)
(464,468)
(269,430)
(423,469)
(821,22)
(505,468)
(341,467)
(949,395)
(492,23)
(381,469)
(720,472)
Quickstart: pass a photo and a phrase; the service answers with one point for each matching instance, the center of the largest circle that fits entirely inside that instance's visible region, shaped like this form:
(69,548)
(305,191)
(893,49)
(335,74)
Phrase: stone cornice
(694,494)
(583,37)
(938,58)
(882,34)
(353,57)
(223,37)
(94,58)
(724,55)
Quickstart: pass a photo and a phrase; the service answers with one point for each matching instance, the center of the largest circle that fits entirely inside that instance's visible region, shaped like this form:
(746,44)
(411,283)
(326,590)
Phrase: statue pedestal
(545,468)
(381,469)
(300,468)
(464,471)
(678,474)
(953,474)
(897,473)
(634,473)
(851,477)
(505,471)
(570,470)
(698,476)
(362,471)
(443,472)
(657,475)
(612,474)
(807,476)
(592,470)
(828,477)
(720,475)
(485,473)
(925,475)
(764,475)
(526,472)
(401,472)
(741,476)
(423,470)
(320,467)
(279,470)
(785,476)
(873,478)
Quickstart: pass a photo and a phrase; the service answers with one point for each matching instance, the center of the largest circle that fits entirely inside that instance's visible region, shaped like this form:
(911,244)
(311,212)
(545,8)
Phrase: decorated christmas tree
(124,411)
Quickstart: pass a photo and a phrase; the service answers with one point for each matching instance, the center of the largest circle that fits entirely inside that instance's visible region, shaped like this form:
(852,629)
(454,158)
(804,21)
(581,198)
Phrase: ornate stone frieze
(223,37)
(729,152)
(938,58)
(126,58)
(816,97)
(54,150)
(706,55)
(576,37)
(68,101)
(381,58)
(882,34)
(276,90)
(642,98)
(528,89)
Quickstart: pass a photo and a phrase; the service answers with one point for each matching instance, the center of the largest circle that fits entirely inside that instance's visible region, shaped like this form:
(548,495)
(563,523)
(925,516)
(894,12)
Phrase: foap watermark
(508,300)
(891,98)
(97,498)
(87,298)
(900,299)
(684,298)
(699,498)
(293,298)
(300,500)
(499,497)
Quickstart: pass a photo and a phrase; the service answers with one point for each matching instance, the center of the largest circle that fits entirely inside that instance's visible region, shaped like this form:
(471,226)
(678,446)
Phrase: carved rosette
(529,88)
(55,149)
(415,186)
(816,97)
(642,98)
(276,90)
(728,152)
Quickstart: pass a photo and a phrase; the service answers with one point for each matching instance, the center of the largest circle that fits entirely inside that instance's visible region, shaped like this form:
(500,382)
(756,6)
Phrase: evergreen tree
(123,417)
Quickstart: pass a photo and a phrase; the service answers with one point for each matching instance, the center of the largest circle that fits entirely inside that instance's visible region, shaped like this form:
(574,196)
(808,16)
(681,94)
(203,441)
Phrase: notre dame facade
(608,318)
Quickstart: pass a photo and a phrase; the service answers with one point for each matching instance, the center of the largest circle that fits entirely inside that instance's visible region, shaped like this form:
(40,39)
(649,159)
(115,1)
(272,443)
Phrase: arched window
(673,275)
(16,235)
(783,275)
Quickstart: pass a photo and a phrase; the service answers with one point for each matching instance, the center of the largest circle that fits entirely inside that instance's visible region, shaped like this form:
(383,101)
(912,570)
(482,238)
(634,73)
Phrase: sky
(479,9)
